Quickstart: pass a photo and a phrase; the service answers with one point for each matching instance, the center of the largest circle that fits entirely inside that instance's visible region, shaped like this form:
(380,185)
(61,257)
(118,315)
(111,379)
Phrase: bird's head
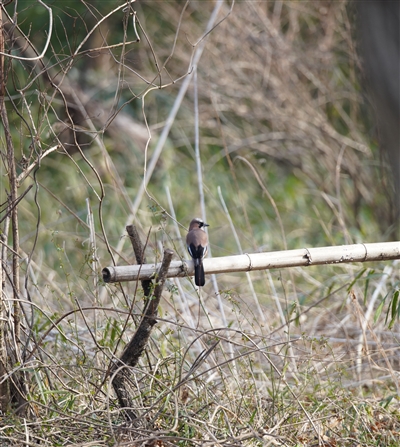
(197,223)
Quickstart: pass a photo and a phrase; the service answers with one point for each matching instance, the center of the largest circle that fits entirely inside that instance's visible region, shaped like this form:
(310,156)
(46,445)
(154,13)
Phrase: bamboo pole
(382,251)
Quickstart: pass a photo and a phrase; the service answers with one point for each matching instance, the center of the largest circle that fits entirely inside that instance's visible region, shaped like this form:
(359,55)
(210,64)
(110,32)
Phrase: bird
(196,242)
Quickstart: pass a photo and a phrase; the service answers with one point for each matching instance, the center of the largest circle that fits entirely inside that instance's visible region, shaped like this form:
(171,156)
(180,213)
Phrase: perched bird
(196,242)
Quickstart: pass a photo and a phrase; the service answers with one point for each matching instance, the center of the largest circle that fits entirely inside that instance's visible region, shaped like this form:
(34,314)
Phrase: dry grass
(283,134)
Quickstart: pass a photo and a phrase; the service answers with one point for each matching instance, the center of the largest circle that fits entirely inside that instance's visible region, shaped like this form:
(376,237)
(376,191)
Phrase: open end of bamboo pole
(108,275)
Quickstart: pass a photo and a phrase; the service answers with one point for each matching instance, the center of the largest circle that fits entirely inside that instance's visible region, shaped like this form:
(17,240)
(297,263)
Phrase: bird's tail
(199,274)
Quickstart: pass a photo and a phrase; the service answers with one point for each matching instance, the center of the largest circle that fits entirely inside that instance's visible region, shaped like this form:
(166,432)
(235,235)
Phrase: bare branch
(40,56)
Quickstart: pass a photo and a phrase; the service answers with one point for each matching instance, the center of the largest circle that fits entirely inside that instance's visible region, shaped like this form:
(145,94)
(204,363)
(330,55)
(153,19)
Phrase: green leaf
(395,303)
(355,279)
(370,274)
(395,308)
(379,310)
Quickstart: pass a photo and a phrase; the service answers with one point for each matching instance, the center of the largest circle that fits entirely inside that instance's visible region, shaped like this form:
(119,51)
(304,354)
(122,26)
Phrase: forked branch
(137,344)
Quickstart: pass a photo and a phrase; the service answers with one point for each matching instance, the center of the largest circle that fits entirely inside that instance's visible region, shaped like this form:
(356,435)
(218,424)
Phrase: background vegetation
(288,154)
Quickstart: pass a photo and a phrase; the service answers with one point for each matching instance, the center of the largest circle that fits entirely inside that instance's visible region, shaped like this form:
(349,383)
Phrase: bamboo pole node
(308,256)
(250,266)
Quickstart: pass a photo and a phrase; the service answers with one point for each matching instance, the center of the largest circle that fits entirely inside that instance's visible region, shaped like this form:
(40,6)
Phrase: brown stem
(12,176)
(139,254)
(15,388)
(137,344)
